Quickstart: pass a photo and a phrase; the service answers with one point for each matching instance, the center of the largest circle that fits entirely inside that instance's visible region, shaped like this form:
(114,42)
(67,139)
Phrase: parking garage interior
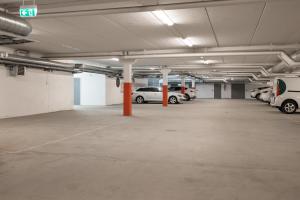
(222,125)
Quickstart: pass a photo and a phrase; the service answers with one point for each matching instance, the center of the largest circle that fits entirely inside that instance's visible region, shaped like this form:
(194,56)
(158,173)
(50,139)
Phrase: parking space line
(55,141)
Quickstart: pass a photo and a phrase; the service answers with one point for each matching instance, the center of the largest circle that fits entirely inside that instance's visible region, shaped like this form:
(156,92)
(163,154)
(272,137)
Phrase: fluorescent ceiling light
(187,42)
(115,59)
(163,17)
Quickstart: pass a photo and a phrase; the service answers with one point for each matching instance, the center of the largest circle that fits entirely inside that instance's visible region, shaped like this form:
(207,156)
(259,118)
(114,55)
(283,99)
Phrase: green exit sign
(28,11)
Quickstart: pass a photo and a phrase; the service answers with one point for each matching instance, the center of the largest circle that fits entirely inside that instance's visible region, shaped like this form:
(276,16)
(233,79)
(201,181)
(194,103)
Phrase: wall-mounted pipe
(13,24)
(37,61)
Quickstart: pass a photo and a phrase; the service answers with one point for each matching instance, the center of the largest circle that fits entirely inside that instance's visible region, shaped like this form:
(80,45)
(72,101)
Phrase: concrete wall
(140,82)
(226,91)
(36,92)
(206,90)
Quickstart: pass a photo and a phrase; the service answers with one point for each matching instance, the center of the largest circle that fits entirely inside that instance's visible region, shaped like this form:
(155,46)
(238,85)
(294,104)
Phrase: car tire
(187,97)
(173,100)
(257,96)
(289,107)
(139,100)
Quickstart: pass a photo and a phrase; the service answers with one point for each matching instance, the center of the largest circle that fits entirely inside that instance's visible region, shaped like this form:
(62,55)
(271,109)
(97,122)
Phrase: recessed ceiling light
(163,17)
(187,42)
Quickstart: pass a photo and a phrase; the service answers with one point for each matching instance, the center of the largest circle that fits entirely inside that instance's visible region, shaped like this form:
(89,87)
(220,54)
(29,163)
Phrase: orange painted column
(165,95)
(182,90)
(127,101)
(127,89)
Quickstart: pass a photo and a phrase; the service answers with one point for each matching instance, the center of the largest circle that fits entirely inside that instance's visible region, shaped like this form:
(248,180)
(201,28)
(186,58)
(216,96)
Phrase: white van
(286,94)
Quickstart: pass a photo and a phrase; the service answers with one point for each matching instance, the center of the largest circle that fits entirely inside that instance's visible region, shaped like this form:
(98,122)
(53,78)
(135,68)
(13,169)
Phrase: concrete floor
(206,149)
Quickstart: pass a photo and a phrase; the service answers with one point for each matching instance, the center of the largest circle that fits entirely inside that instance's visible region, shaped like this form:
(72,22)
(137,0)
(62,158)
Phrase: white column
(127,70)
(193,83)
(165,72)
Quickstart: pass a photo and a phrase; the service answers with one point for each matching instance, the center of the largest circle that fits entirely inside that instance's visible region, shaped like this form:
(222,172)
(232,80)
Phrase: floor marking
(55,141)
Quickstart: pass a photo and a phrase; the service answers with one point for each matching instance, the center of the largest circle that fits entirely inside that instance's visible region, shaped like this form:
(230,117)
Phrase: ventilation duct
(13,24)
(283,65)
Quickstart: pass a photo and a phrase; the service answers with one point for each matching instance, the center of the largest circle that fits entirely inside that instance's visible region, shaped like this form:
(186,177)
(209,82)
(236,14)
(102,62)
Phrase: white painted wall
(98,90)
(36,92)
(114,94)
(205,91)
(226,91)
(92,89)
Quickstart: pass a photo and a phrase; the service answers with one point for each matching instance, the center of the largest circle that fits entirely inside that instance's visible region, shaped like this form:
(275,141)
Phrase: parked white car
(189,93)
(256,92)
(154,94)
(265,95)
(286,94)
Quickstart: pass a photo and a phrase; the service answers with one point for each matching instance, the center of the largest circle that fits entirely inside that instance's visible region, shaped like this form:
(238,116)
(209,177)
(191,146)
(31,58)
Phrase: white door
(205,91)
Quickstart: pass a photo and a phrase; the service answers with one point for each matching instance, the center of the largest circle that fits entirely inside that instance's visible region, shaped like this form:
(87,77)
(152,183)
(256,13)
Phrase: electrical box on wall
(17,71)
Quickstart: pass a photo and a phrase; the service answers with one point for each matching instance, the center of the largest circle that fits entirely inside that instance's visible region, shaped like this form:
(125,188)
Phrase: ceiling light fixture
(115,59)
(163,17)
(206,62)
(187,42)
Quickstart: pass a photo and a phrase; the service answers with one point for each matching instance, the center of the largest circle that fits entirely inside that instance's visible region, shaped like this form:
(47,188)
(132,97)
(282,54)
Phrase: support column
(165,73)
(127,77)
(182,85)
(193,83)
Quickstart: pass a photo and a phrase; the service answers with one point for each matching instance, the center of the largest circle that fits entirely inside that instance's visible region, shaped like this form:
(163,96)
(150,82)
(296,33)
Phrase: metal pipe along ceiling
(28,60)
(11,59)
(13,24)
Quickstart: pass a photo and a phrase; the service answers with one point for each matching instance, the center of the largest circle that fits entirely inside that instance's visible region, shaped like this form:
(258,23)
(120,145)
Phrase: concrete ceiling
(211,24)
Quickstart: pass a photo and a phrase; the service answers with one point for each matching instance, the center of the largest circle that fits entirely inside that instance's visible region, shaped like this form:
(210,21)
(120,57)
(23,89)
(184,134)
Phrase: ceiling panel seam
(258,22)
(256,27)
(213,30)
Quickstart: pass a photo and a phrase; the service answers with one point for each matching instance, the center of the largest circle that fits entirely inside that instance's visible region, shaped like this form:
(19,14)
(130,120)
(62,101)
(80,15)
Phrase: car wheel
(257,96)
(173,100)
(289,107)
(187,97)
(139,100)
